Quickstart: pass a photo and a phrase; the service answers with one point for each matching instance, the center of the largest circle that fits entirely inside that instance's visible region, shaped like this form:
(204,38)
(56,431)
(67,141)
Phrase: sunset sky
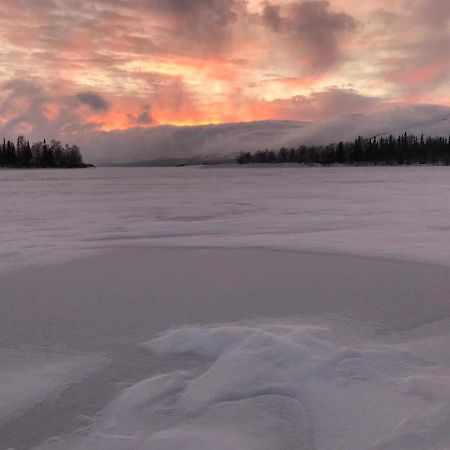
(73,65)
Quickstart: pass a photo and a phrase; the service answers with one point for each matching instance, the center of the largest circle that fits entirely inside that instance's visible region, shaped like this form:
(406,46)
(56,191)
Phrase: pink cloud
(114,64)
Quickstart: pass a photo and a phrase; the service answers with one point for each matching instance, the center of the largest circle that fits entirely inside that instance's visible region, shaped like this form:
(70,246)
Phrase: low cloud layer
(218,141)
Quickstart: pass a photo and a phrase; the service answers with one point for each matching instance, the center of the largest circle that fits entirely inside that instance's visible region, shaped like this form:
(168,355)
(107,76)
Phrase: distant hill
(170,145)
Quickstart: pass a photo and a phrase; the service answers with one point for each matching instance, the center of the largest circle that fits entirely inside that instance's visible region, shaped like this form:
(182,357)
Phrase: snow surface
(51,216)
(28,378)
(360,363)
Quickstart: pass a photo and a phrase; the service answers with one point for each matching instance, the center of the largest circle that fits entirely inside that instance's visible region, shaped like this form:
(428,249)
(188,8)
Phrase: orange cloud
(427,74)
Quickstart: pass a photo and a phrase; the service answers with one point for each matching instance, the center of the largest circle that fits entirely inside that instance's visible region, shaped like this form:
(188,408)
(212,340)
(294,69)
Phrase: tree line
(40,154)
(405,149)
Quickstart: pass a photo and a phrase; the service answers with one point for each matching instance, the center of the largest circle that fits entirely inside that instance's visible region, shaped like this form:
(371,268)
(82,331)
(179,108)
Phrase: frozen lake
(49,216)
(225,308)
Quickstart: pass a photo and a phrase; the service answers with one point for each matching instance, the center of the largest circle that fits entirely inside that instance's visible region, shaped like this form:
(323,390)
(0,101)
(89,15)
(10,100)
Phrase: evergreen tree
(405,149)
(39,154)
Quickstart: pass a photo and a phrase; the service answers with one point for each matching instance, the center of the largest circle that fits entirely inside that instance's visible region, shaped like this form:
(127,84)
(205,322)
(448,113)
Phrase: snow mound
(281,387)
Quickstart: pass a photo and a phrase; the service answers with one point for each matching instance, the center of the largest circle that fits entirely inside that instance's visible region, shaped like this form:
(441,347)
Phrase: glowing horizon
(116,64)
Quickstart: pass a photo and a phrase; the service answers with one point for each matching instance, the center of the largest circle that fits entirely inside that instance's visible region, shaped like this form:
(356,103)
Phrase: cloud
(323,105)
(201,26)
(93,100)
(433,12)
(144,118)
(414,42)
(271,15)
(312,29)
(40,110)
(116,64)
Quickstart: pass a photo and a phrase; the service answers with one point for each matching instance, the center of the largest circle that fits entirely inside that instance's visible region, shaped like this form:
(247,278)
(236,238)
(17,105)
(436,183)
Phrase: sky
(74,66)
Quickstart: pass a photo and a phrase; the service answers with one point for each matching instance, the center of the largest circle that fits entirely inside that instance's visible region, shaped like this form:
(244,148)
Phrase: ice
(53,216)
(27,378)
(290,386)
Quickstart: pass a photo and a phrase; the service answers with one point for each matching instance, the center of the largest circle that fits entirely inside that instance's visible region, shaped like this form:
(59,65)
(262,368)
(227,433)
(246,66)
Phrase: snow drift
(283,386)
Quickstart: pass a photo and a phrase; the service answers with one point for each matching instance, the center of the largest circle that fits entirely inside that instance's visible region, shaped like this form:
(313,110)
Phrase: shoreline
(280,165)
(84,166)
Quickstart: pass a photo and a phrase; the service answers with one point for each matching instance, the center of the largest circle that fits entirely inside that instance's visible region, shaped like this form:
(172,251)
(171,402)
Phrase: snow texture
(53,216)
(27,378)
(268,385)
(282,387)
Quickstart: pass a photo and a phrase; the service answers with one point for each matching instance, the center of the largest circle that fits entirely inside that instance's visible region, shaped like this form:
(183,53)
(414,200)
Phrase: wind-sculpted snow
(50,216)
(27,378)
(266,387)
